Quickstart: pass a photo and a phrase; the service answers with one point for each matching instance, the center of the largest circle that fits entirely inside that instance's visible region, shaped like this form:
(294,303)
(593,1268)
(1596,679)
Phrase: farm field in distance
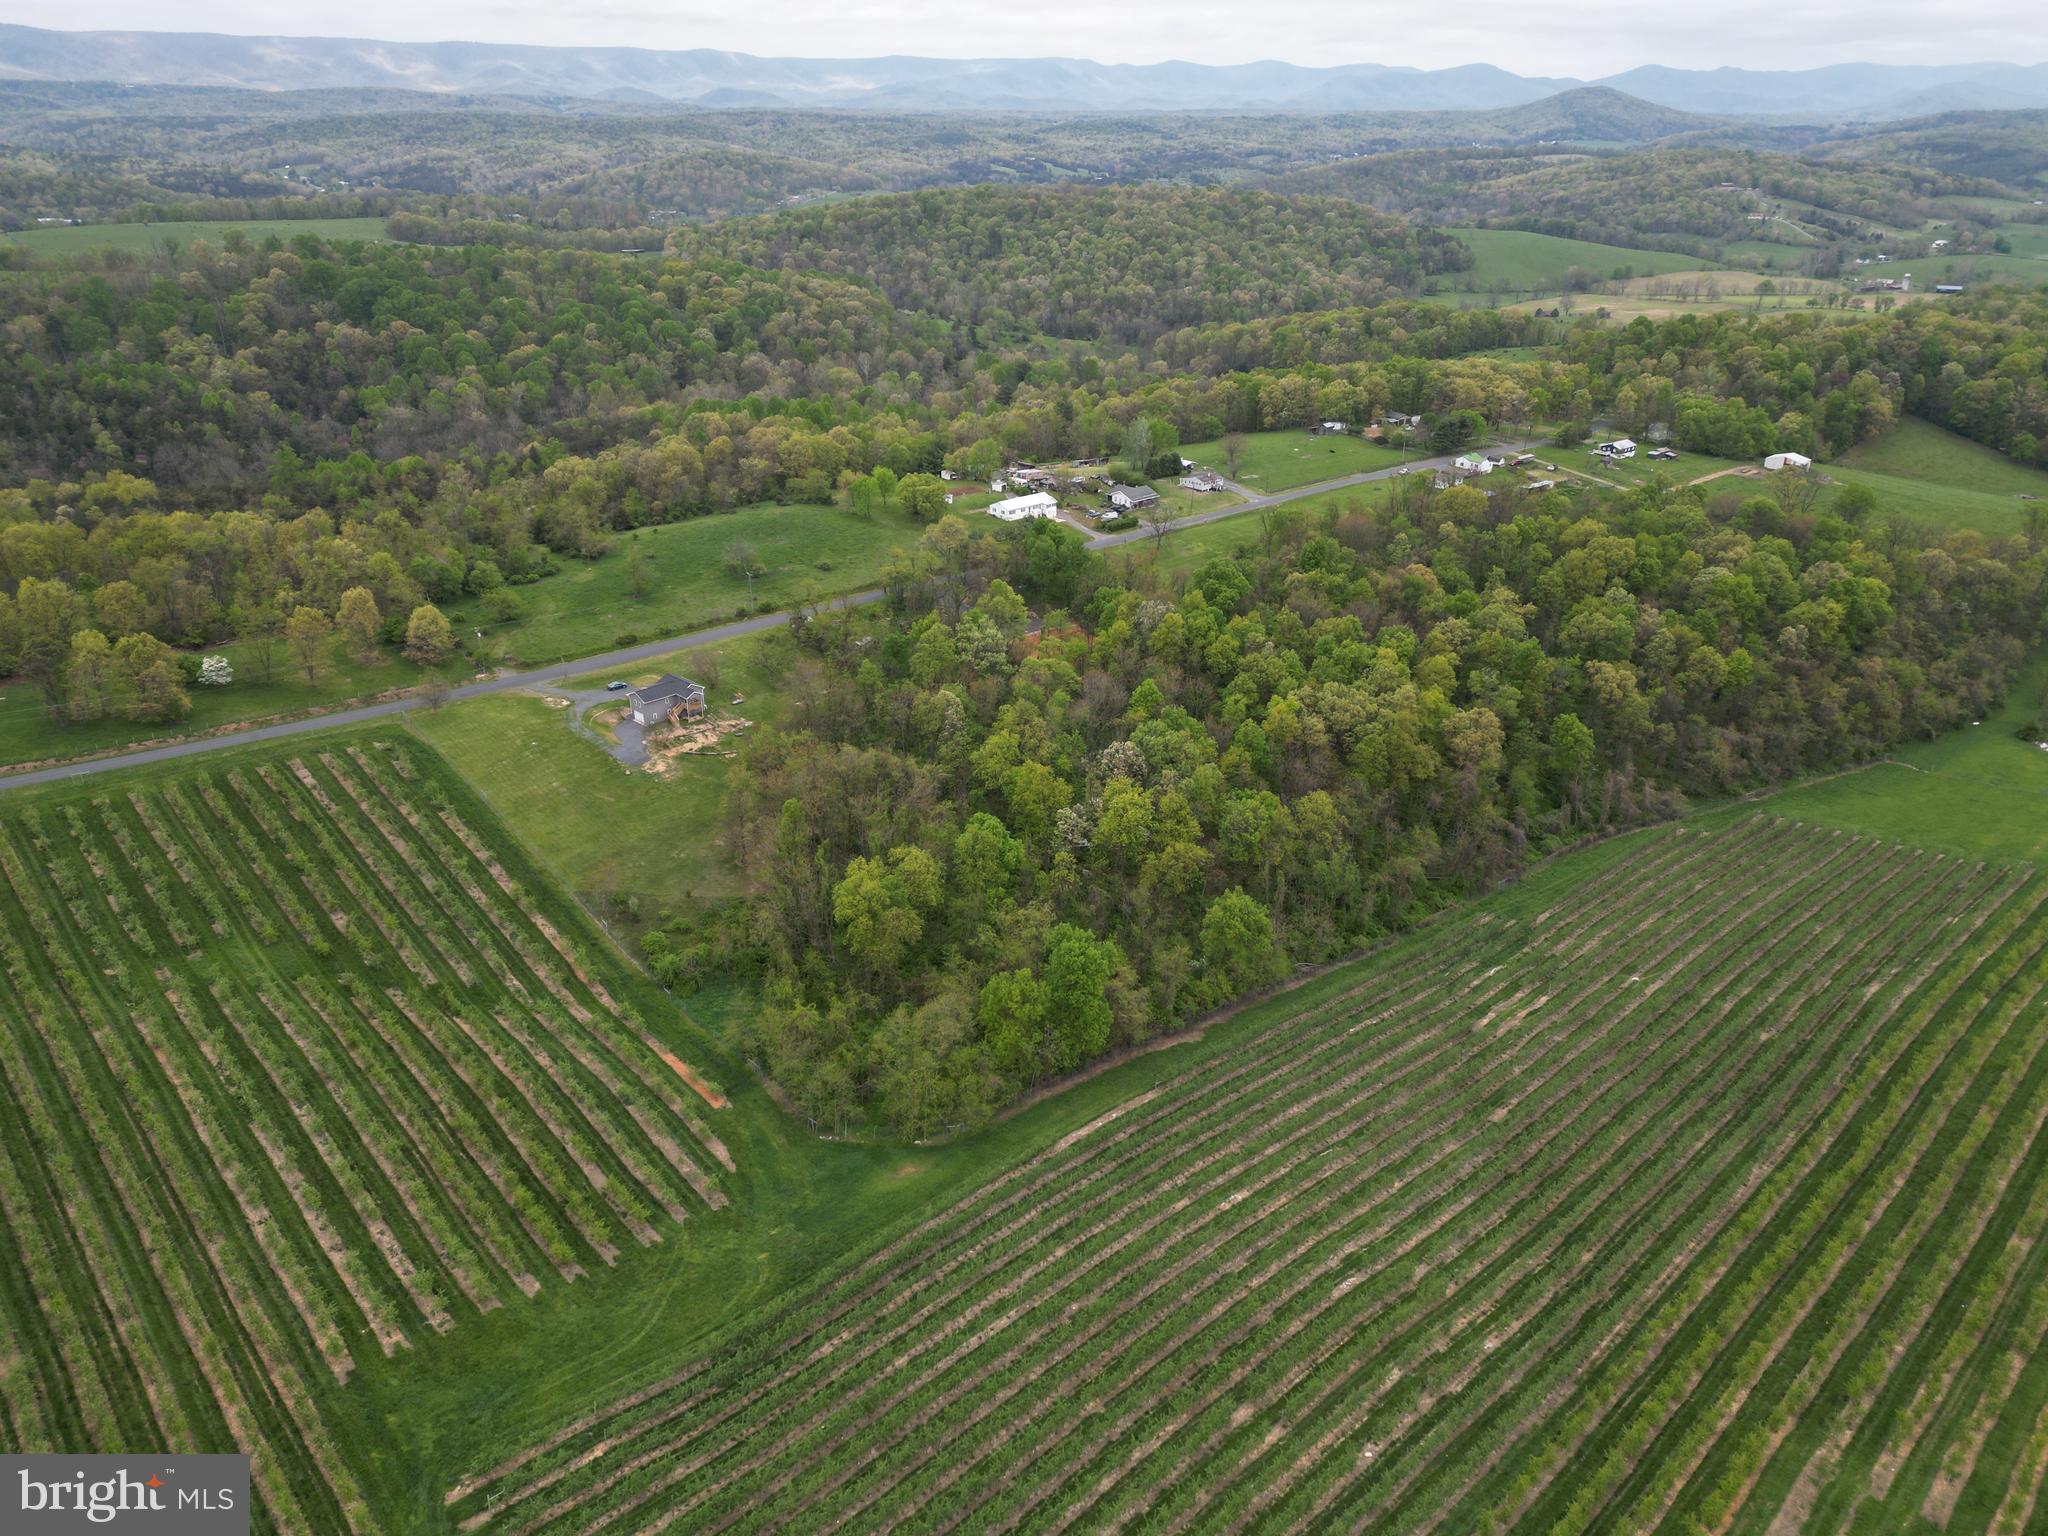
(69,239)
(1700,1189)
(303,1069)
(1520,261)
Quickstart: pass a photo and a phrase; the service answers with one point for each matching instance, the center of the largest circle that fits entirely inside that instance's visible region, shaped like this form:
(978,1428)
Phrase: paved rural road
(506,682)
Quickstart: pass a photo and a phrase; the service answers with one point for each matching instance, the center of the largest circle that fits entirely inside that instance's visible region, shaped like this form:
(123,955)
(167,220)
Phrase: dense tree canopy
(982,856)
(1096,263)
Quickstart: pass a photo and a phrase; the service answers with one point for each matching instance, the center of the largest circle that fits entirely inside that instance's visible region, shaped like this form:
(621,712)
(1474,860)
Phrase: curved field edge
(1905,1035)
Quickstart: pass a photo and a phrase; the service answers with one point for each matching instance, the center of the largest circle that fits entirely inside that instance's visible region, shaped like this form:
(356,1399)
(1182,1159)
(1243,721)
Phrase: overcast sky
(1581,38)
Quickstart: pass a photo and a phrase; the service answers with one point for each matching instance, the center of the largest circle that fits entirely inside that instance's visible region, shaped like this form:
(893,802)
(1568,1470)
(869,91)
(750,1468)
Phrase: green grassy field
(1979,793)
(69,240)
(1554,1219)
(803,551)
(1767,255)
(616,836)
(1919,450)
(1968,269)
(1920,472)
(1280,461)
(1531,263)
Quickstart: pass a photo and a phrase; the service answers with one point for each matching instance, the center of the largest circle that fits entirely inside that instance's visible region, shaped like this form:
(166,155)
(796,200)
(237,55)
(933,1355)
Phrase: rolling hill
(715,77)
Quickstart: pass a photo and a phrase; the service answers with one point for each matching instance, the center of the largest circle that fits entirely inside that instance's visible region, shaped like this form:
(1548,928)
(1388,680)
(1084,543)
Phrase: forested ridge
(243,430)
(1096,263)
(1694,200)
(201,375)
(982,857)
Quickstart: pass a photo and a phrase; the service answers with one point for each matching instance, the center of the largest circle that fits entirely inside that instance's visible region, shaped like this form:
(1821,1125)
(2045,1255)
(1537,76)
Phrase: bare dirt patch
(692,738)
(688,1074)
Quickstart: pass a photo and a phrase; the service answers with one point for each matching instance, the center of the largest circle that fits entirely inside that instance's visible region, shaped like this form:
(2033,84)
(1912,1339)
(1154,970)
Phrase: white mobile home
(1017,508)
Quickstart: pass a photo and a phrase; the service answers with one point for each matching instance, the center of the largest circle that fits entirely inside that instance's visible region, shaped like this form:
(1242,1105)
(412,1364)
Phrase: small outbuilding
(1787,461)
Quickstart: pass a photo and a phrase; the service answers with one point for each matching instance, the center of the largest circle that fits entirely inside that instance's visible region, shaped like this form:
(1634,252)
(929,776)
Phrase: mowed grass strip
(1555,1222)
(309,1074)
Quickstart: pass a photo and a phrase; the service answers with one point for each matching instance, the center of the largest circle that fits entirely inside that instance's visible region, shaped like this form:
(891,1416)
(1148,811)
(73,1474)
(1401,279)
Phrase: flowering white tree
(214,672)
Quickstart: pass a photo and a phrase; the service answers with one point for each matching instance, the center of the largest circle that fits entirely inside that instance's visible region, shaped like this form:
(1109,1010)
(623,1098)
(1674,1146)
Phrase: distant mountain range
(713,78)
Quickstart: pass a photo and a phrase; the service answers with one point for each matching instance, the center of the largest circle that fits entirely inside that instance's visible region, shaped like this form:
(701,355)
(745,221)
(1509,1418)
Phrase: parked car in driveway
(614,687)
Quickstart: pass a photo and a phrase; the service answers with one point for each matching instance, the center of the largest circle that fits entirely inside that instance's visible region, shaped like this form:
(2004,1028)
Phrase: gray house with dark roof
(668,697)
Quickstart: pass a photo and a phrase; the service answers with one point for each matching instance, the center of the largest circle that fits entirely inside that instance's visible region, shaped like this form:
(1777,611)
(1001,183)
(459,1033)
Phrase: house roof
(1138,493)
(666,687)
(1024,506)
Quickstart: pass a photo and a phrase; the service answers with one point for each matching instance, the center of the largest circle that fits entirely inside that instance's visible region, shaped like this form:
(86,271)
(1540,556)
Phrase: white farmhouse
(1017,508)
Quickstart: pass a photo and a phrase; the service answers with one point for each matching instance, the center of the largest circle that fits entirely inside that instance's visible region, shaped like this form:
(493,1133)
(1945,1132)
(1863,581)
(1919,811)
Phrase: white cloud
(1586,40)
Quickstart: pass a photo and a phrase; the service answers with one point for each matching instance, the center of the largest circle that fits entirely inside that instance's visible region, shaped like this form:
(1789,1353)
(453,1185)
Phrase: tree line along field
(1701,1193)
(296,1070)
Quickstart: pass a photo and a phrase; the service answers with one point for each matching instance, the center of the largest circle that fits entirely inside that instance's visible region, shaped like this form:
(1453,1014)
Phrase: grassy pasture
(1921,472)
(1280,461)
(1778,255)
(803,551)
(1530,263)
(1919,450)
(72,239)
(1549,1219)
(1968,269)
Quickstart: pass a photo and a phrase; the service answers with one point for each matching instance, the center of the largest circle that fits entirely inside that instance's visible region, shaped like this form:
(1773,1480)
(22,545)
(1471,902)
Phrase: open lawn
(69,240)
(686,582)
(633,845)
(1642,469)
(1279,461)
